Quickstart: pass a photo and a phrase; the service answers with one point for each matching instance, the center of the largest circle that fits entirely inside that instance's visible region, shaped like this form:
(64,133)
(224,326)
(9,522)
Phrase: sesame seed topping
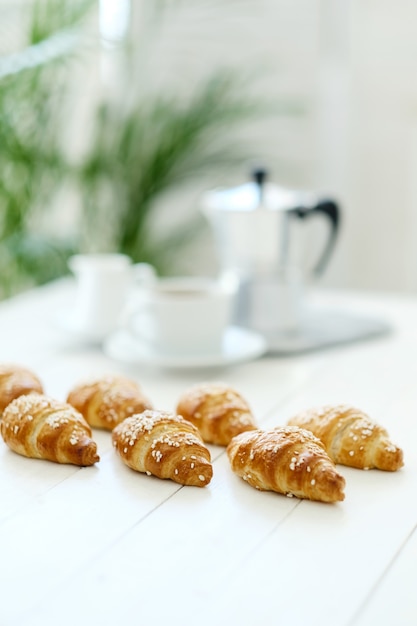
(157,455)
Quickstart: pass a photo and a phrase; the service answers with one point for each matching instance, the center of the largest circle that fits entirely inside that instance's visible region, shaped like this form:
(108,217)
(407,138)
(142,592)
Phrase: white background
(352,66)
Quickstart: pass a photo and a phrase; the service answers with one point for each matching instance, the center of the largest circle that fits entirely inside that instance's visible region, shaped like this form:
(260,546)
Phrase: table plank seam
(379,580)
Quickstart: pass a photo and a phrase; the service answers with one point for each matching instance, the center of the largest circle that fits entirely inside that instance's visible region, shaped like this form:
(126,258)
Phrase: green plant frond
(33,163)
(135,158)
(37,259)
(52,16)
(162,144)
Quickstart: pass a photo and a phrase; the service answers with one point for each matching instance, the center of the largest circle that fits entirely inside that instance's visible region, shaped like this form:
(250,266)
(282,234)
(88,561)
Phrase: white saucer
(239,345)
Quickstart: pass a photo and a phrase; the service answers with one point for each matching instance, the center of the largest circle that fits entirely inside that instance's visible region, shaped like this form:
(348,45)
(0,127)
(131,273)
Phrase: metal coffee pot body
(252,227)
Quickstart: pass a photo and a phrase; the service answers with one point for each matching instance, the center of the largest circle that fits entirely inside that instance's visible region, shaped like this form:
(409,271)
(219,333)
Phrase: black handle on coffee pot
(330,209)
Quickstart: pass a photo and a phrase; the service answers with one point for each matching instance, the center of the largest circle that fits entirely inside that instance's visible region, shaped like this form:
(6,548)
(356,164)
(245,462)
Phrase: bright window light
(114,19)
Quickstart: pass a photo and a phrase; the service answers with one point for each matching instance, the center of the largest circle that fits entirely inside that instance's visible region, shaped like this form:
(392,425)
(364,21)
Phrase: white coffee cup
(103,285)
(184,315)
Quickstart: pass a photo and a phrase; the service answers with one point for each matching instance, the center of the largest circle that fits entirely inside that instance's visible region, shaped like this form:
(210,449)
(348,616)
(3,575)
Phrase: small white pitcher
(104,282)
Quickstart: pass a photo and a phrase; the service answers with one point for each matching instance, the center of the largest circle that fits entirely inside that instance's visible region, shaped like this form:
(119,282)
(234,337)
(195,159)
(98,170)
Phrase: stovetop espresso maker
(253,231)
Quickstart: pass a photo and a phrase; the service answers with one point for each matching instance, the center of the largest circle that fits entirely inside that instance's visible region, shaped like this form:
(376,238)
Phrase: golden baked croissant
(288,460)
(351,437)
(16,381)
(219,412)
(40,427)
(165,445)
(106,402)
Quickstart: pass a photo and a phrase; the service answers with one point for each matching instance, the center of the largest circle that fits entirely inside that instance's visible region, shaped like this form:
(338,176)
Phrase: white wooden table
(106,545)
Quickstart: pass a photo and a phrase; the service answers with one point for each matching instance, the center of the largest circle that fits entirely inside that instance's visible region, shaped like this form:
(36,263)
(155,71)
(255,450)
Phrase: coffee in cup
(183,315)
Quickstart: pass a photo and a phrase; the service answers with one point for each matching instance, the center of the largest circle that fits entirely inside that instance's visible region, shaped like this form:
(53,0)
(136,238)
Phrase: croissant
(40,427)
(288,460)
(106,402)
(351,437)
(16,381)
(165,445)
(219,412)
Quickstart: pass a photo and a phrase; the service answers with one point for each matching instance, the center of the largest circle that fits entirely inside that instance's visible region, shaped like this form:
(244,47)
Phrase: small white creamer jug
(104,282)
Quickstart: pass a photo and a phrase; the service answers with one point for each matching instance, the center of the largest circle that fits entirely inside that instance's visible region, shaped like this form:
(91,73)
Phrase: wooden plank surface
(101,544)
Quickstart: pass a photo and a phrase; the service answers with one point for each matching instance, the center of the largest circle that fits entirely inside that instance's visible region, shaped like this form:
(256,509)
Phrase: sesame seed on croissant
(219,412)
(288,460)
(40,427)
(165,445)
(351,437)
(106,402)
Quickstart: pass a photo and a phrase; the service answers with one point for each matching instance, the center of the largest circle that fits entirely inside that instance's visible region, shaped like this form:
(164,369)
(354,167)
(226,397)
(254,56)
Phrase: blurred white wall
(367,138)
(353,65)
